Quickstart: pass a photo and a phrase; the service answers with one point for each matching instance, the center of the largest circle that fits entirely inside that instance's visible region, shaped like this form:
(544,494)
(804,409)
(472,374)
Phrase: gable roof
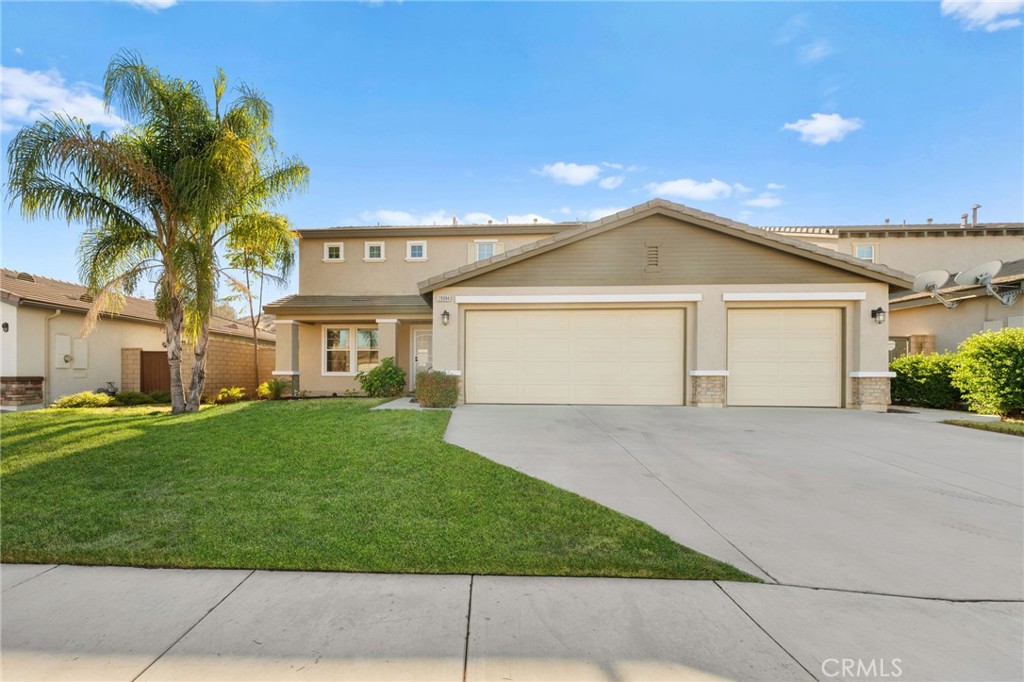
(719,224)
(994,229)
(1012,272)
(24,289)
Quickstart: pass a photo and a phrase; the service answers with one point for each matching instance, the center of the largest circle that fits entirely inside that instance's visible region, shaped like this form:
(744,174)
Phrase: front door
(422,352)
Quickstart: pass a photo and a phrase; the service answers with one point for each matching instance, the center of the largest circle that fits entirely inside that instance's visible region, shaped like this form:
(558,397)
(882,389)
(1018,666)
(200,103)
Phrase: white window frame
(341,252)
(492,242)
(366,252)
(408,251)
(353,348)
(874,252)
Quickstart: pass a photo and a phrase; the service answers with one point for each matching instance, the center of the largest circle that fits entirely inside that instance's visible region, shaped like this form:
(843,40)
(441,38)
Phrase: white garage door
(597,357)
(785,356)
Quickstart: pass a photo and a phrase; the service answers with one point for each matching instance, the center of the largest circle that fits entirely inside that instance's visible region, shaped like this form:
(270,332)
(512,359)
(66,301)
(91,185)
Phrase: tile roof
(22,288)
(433,230)
(837,230)
(311,304)
(799,246)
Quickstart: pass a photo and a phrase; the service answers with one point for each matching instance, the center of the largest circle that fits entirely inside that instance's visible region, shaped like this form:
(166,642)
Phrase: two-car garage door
(575,356)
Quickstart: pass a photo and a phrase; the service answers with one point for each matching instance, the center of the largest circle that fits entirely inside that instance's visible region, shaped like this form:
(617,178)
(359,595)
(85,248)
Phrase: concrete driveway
(858,501)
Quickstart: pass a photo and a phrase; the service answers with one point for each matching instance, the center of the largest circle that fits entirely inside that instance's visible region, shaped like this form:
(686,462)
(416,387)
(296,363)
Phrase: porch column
(286,353)
(387,331)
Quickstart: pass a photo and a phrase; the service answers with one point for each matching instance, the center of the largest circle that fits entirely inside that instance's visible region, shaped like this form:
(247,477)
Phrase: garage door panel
(580,356)
(785,356)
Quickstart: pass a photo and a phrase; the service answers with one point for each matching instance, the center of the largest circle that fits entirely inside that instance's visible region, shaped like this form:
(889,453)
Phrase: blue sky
(769,113)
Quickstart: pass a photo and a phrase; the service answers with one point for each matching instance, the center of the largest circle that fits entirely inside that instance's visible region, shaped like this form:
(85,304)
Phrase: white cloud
(478,218)
(30,95)
(687,188)
(18,50)
(815,51)
(153,5)
(741,188)
(764,200)
(611,182)
(598,213)
(632,168)
(820,129)
(528,218)
(793,27)
(393,217)
(985,15)
(775,185)
(571,173)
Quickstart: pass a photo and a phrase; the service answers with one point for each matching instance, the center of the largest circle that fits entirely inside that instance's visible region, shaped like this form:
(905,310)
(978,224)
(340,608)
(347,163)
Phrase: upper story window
(374,251)
(334,251)
(415,251)
(865,252)
(482,249)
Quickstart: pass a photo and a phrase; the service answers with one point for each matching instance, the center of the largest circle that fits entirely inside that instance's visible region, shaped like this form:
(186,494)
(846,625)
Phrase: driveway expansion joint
(193,626)
(674,493)
(952,600)
(469,618)
(11,587)
(762,629)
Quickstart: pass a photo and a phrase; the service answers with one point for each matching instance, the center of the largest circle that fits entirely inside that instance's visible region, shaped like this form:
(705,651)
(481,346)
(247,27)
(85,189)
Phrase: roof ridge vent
(25,277)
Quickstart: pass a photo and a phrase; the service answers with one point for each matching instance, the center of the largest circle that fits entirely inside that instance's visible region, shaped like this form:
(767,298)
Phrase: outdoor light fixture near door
(878,315)
(446,318)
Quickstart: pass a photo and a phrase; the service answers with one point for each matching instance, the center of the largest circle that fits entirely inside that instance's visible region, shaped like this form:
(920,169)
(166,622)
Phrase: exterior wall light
(446,317)
(7,327)
(878,315)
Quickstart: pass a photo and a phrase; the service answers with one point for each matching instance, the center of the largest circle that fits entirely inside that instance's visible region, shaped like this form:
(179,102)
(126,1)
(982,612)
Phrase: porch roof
(297,304)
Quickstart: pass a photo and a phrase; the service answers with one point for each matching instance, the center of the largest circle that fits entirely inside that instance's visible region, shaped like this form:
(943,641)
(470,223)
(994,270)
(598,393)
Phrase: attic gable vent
(652,257)
(85,298)
(25,277)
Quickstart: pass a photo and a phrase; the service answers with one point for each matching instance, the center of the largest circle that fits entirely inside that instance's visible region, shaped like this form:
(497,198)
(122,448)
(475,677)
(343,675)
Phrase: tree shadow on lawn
(308,485)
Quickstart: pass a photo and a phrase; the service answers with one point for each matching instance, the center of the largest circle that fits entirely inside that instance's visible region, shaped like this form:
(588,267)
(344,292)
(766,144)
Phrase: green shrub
(437,389)
(226,396)
(273,389)
(160,396)
(84,399)
(925,380)
(990,371)
(133,398)
(386,380)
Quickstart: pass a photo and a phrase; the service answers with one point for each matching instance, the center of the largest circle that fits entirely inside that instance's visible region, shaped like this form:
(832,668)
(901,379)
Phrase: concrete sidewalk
(77,623)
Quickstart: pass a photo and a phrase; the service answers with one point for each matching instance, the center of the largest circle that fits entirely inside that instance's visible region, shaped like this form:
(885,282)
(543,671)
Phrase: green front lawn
(1011,427)
(315,485)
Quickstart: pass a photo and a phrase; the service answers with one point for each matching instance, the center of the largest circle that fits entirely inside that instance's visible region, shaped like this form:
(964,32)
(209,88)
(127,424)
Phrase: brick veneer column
(21,392)
(870,393)
(709,390)
(131,369)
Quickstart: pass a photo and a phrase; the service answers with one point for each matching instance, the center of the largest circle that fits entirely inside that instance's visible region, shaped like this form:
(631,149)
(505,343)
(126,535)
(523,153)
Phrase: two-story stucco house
(658,304)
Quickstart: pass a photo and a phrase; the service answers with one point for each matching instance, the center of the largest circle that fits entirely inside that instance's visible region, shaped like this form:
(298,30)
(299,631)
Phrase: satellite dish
(930,281)
(979,274)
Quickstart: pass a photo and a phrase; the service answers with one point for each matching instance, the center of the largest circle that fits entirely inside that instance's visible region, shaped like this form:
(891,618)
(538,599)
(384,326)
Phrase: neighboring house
(920,323)
(44,356)
(657,304)
(917,248)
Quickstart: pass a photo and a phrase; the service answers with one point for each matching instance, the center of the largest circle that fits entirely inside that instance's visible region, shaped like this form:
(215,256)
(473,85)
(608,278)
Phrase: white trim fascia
(387,321)
(871,375)
(284,373)
(285,322)
(453,372)
(796,296)
(485,241)
(709,372)
(582,298)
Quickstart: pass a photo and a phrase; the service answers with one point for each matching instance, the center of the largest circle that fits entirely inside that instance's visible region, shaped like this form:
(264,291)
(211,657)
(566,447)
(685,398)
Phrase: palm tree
(156,198)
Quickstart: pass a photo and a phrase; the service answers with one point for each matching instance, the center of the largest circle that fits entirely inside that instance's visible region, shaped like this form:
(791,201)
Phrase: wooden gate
(156,373)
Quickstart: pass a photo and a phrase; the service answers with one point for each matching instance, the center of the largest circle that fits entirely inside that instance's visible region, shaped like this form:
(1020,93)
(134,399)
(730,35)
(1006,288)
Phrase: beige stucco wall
(395,275)
(950,327)
(9,340)
(706,320)
(915,255)
(104,346)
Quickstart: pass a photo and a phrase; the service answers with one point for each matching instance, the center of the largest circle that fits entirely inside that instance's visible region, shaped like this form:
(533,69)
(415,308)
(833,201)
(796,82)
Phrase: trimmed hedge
(990,371)
(925,380)
(84,399)
(437,389)
(127,398)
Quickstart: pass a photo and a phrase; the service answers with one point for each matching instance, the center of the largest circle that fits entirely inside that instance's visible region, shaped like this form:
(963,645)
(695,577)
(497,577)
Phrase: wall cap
(871,375)
(709,372)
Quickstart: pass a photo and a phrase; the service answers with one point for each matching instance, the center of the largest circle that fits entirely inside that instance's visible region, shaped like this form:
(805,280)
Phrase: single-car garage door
(597,357)
(785,356)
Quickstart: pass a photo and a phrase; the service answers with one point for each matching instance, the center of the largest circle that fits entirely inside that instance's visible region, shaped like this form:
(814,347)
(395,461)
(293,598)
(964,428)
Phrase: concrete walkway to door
(837,499)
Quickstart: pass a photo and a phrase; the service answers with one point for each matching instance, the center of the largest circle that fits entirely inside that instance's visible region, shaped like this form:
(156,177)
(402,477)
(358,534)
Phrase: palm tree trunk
(195,389)
(173,325)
